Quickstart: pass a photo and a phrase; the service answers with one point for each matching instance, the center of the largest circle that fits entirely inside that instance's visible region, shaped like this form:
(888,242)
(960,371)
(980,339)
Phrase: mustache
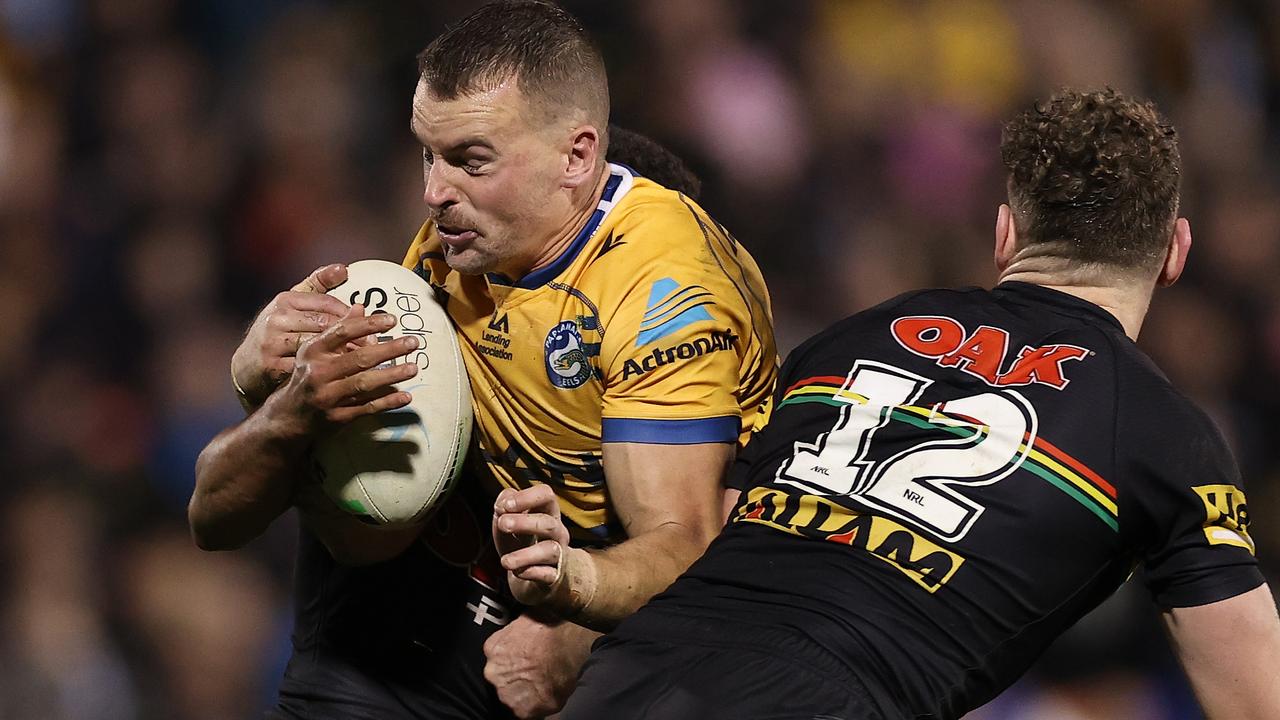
(451,220)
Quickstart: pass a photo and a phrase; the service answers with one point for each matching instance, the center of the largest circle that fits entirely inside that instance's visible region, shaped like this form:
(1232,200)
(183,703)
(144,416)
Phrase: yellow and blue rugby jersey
(654,326)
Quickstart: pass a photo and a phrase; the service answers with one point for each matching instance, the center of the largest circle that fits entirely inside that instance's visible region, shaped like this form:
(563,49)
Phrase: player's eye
(473,167)
(426,157)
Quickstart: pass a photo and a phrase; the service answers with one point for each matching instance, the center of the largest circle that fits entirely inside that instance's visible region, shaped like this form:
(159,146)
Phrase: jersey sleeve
(678,338)
(740,473)
(1191,511)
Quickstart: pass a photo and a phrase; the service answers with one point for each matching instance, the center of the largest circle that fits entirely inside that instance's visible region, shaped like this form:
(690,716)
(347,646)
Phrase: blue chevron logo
(672,307)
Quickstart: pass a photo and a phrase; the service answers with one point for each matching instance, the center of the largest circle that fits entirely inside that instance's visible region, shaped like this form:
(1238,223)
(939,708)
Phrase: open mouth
(454,234)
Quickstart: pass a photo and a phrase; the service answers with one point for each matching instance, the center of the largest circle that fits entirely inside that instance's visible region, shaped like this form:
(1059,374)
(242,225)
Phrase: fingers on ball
(368,381)
(372,356)
(327,305)
(353,327)
(367,405)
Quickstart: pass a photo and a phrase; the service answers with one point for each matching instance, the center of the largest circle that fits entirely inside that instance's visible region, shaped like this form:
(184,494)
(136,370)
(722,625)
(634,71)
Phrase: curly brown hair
(1093,176)
(649,158)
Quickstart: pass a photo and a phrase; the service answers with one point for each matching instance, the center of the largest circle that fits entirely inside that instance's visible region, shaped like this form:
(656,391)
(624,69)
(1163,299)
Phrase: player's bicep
(651,486)
(679,344)
(680,389)
(693,378)
(1182,506)
(1191,499)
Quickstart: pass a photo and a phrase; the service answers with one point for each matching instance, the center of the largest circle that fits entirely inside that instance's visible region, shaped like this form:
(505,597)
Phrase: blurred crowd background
(166,166)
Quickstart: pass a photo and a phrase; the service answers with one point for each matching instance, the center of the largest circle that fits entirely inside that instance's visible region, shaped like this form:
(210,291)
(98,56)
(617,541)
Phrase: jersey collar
(615,188)
(1066,302)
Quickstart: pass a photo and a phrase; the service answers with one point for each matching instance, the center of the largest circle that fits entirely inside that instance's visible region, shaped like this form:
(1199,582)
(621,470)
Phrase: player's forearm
(615,582)
(245,479)
(1242,690)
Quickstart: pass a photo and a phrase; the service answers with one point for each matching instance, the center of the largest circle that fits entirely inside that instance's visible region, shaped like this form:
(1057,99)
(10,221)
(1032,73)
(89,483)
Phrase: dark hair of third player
(540,44)
(1094,175)
(650,159)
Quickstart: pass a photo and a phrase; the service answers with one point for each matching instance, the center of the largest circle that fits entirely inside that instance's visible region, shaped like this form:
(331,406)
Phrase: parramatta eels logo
(566,358)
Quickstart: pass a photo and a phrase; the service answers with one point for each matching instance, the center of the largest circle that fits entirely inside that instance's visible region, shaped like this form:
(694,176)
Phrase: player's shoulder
(647,196)
(1160,427)
(914,302)
(927,300)
(1147,394)
(661,222)
(658,242)
(856,329)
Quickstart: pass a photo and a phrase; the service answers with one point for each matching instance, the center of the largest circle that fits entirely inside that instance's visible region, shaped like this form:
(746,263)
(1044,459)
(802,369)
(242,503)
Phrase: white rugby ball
(395,467)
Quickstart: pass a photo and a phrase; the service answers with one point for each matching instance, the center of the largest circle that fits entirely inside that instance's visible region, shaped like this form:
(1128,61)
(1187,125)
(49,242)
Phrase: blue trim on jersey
(611,187)
(542,276)
(498,279)
(670,432)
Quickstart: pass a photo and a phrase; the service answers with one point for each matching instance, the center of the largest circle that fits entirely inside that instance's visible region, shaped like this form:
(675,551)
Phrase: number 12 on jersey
(974,440)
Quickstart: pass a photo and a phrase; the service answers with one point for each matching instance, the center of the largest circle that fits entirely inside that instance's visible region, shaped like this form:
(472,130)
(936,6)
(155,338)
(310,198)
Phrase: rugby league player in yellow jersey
(619,346)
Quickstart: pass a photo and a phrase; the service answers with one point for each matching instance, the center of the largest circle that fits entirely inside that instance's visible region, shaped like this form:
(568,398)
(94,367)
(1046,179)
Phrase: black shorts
(400,640)
(693,670)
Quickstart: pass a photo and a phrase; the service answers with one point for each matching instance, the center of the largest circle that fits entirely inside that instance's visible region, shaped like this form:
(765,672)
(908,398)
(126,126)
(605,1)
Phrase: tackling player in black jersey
(951,479)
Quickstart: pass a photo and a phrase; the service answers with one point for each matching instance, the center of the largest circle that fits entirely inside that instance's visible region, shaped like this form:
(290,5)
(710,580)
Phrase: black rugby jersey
(401,639)
(951,479)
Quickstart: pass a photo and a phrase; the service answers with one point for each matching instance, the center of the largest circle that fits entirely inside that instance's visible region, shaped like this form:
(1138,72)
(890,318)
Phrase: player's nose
(439,193)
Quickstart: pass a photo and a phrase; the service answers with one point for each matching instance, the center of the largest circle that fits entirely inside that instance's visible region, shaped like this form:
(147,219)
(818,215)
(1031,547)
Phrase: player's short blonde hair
(542,46)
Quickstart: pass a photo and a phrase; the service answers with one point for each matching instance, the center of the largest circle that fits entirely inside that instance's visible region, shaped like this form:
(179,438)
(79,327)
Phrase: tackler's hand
(338,377)
(267,355)
(534,663)
(534,547)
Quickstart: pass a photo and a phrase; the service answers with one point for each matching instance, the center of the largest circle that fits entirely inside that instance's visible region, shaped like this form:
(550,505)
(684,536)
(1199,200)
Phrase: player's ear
(1175,258)
(584,153)
(1006,237)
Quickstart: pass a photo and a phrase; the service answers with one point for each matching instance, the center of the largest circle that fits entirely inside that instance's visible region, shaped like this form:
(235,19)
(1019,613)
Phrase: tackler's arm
(247,476)
(1230,650)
